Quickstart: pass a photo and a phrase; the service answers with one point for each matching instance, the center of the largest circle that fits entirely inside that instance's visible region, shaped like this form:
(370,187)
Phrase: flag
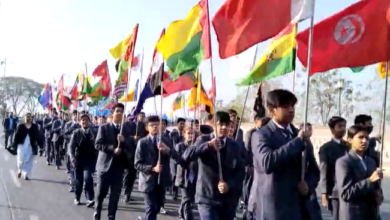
(74,91)
(63,102)
(178,102)
(382,70)
(185,82)
(213,91)
(258,107)
(357,69)
(104,84)
(356,36)
(244,23)
(45,97)
(132,95)
(158,59)
(122,48)
(187,42)
(145,94)
(194,98)
(278,59)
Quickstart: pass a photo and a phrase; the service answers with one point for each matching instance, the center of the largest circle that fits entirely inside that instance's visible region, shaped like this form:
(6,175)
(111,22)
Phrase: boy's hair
(180,120)
(118,105)
(164,121)
(232,111)
(335,120)
(362,119)
(265,120)
(354,129)
(196,121)
(222,117)
(210,117)
(152,118)
(279,98)
(307,124)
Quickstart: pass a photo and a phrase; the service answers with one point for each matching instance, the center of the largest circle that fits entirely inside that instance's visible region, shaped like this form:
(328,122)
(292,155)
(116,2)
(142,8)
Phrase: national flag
(278,59)
(242,63)
(213,90)
(244,23)
(74,91)
(63,102)
(382,70)
(178,102)
(145,94)
(185,82)
(258,107)
(123,46)
(45,97)
(104,84)
(187,42)
(158,59)
(356,36)
(132,95)
(195,99)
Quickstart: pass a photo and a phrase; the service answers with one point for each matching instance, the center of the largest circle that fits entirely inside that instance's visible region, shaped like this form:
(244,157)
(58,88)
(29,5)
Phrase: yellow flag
(382,70)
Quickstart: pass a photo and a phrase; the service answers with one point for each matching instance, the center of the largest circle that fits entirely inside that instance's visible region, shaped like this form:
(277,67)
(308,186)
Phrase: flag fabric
(357,69)
(185,82)
(187,42)
(120,50)
(382,70)
(194,99)
(104,84)
(145,94)
(178,102)
(242,24)
(132,95)
(45,97)
(213,91)
(158,59)
(74,91)
(63,102)
(356,36)
(278,59)
(258,107)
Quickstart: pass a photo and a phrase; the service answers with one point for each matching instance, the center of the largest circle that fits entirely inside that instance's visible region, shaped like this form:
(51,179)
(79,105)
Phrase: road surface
(46,196)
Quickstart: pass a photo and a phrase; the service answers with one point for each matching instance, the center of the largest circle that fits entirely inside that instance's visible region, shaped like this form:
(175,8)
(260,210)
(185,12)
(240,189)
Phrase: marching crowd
(270,172)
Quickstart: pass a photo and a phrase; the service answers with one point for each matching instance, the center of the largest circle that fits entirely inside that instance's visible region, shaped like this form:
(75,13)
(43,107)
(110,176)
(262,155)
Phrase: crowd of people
(270,172)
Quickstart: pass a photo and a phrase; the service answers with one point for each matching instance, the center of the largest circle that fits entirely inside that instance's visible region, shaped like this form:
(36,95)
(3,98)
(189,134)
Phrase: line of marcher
(264,172)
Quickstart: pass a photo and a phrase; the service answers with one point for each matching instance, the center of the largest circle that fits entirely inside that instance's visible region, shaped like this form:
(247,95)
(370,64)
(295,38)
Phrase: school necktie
(286,133)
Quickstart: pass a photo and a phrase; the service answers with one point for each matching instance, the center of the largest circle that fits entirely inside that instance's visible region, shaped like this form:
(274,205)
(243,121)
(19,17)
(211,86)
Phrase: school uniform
(329,153)
(213,205)
(177,137)
(356,192)
(152,184)
(278,163)
(186,178)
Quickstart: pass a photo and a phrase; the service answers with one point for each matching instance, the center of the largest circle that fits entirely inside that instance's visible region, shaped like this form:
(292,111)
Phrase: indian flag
(187,42)
(278,59)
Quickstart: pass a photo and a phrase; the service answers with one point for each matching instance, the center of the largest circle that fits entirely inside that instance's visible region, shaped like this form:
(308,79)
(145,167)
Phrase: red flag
(240,24)
(357,36)
(61,85)
(129,54)
(105,81)
(101,70)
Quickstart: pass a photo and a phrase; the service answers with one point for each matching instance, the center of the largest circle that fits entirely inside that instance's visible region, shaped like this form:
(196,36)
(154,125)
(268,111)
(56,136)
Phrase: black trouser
(57,152)
(83,172)
(111,180)
(49,150)
(129,179)
(187,201)
(153,202)
(8,136)
(246,191)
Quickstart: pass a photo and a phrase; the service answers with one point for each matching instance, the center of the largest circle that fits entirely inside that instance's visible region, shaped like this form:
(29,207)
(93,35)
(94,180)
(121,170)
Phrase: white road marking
(15,179)
(6,156)
(34,217)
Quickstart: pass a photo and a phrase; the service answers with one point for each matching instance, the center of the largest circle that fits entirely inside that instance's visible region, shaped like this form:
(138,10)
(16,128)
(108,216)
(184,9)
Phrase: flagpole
(246,98)
(86,77)
(303,168)
(161,134)
(214,118)
(295,66)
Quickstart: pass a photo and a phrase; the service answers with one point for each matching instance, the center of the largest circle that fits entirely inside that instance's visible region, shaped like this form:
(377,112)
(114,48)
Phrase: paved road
(46,196)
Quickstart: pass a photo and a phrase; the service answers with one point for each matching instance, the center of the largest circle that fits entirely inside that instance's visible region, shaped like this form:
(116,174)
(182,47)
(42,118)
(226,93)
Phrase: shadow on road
(50,181)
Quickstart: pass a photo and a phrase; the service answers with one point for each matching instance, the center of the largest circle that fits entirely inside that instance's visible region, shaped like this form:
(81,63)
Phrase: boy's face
(359,142)
(284,114)
(163,125)
(258,123)
(180,125)
(188,134)
(153,127)
(231,130)
(339,129)
(223,128)
(197,126)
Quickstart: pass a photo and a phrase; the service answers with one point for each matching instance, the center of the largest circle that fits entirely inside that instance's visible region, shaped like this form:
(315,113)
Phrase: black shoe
(96,216)
(127,200)
(71,190)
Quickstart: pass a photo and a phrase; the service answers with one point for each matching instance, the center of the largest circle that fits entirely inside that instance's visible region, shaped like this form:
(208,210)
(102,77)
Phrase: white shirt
(336,140)
(284,128)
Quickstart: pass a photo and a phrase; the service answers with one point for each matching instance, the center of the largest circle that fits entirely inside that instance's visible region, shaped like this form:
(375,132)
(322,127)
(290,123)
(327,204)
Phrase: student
(358,179)
(216,197)
(152,158)
(366,120)
(177,137)
(248,201)
(236,121)
(83,158)
(281,193)
(328,155)
(186,176)
(116,152)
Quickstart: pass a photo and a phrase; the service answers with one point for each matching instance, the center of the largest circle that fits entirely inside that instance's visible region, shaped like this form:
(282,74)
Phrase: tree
(17,92)
(330,94)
